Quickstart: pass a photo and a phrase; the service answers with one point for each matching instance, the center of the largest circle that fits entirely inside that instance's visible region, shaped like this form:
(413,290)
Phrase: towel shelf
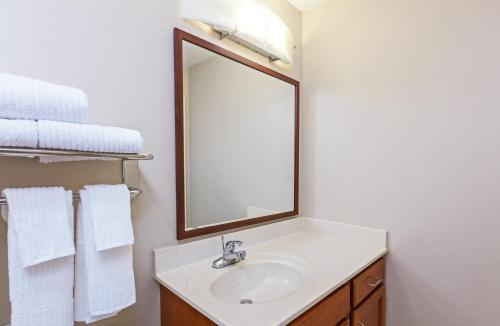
(134,193)
(40,152)
(128,177)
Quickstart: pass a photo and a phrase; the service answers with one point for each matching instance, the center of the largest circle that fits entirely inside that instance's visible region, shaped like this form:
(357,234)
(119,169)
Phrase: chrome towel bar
(39,152)
(134,193)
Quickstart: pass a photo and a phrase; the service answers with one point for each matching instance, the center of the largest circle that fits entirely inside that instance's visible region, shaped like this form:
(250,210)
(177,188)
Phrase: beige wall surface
(401,131)
(121,54)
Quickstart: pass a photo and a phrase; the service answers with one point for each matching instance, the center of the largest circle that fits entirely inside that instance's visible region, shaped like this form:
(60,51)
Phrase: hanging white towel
(41,221)
(104,280)
(31,99)
(90,138)
(109,208)
(18,133)
(41,294)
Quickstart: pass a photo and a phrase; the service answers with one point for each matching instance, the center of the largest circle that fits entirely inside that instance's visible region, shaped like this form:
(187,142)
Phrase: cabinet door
(329,312)
(176,312)
(372,311)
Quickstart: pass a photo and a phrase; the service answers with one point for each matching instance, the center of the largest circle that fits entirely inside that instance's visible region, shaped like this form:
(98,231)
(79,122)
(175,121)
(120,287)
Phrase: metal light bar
(235,38)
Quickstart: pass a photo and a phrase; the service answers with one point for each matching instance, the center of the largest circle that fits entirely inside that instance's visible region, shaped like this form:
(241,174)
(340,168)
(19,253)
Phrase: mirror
(236,140)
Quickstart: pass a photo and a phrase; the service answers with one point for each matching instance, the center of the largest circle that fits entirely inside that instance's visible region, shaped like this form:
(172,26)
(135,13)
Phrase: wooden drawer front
(176,312)
(330,311)
(372,311)
(367,281)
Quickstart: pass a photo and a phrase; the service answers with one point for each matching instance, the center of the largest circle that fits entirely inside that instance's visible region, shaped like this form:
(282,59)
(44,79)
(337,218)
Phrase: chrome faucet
(229,256)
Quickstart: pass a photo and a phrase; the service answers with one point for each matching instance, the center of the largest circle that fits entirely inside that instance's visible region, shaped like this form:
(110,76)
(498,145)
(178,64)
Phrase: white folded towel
(31,99)
(109,209)
(104,280)
(41,221)
(18,133)
(90,138)
(41,294)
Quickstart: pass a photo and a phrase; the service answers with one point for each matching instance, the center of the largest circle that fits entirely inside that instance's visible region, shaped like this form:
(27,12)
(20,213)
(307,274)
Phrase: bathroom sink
(255,283)
(261,278)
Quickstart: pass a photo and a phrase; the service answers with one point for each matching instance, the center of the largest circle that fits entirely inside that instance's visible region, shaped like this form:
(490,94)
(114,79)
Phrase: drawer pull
(346,323)
(360,323)
(377,282)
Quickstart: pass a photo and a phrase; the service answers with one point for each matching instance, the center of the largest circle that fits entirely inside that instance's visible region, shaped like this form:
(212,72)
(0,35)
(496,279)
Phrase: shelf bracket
(130,173)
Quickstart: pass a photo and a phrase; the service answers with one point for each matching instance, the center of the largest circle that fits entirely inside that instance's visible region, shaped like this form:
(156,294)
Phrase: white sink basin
(256,283)
(261,278)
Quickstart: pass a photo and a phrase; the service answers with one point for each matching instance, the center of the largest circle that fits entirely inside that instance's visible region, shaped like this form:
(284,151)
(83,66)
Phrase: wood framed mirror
(236,139)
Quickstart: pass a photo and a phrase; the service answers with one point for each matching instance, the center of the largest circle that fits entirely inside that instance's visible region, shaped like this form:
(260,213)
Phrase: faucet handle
(230,245)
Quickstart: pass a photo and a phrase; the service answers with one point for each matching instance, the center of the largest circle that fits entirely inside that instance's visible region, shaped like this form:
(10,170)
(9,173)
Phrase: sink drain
(246,301)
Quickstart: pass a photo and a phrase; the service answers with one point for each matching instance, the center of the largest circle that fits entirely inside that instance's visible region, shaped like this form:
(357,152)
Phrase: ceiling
(305,5)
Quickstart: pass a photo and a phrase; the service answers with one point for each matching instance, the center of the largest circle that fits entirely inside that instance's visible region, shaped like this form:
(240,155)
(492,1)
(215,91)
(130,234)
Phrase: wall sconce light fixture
(246,22)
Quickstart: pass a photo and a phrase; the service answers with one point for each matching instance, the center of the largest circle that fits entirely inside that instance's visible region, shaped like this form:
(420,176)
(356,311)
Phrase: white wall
(401,131)
(241,141)
(121,54)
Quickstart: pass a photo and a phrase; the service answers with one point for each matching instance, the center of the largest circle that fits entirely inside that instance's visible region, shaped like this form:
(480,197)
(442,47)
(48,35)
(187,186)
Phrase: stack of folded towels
(38,114)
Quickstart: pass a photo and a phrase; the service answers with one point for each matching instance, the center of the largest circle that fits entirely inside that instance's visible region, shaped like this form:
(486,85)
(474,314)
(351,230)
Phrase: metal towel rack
(127,178)
(38,152)
(134,193)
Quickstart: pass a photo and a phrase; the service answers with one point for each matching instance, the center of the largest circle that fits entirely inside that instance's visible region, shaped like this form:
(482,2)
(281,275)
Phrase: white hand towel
(104,280)
(90,138)
(31,99)
(109,208)
(40,294)
(41,221)
(18,133)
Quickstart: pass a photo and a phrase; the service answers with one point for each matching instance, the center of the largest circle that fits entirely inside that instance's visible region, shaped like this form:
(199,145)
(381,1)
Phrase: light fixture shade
(247,22)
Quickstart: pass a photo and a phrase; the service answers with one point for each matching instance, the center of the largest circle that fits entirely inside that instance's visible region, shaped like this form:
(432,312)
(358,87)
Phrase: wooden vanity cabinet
(360,302)
(176,312)
(365,282)
(372,311)
(368,296)
(330,311)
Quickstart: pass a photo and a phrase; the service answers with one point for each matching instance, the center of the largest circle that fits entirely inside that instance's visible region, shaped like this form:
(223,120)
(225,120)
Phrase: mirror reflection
(239,134)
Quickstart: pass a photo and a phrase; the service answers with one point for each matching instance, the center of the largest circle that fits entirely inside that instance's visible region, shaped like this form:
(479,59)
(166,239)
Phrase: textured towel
(18,133)
(109,209)
(90,138)
(104,280)
(31,99)
(40,294)
(42,222)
